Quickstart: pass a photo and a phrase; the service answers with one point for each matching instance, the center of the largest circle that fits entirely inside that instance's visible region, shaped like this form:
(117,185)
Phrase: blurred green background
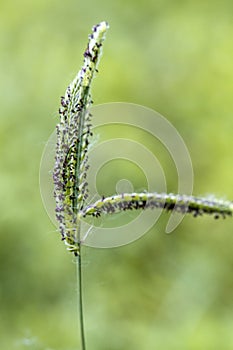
(162,291)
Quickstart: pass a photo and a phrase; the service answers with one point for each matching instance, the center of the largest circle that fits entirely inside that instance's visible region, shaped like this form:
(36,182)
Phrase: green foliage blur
(162,291)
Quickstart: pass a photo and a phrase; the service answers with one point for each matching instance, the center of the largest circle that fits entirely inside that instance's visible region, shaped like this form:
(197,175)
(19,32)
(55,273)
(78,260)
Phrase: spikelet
(180,203)
(73,132)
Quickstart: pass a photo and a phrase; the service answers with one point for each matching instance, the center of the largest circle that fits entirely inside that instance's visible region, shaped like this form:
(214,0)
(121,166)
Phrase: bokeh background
(162,291)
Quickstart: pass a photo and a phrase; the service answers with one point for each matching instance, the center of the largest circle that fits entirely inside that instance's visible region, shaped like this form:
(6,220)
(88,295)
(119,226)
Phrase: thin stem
(80,298)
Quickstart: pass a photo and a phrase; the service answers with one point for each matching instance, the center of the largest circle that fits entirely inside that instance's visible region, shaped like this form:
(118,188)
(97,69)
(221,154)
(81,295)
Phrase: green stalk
(80,298)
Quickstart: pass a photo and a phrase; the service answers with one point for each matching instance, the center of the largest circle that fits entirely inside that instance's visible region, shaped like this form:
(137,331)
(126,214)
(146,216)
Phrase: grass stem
(80,298)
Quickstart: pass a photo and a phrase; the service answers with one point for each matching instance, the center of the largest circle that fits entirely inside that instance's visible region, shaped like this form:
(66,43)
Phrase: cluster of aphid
(179,203)
(71,166)
(73,132)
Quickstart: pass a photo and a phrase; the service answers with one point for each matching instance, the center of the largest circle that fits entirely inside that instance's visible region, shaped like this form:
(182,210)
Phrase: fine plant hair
(71,166)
